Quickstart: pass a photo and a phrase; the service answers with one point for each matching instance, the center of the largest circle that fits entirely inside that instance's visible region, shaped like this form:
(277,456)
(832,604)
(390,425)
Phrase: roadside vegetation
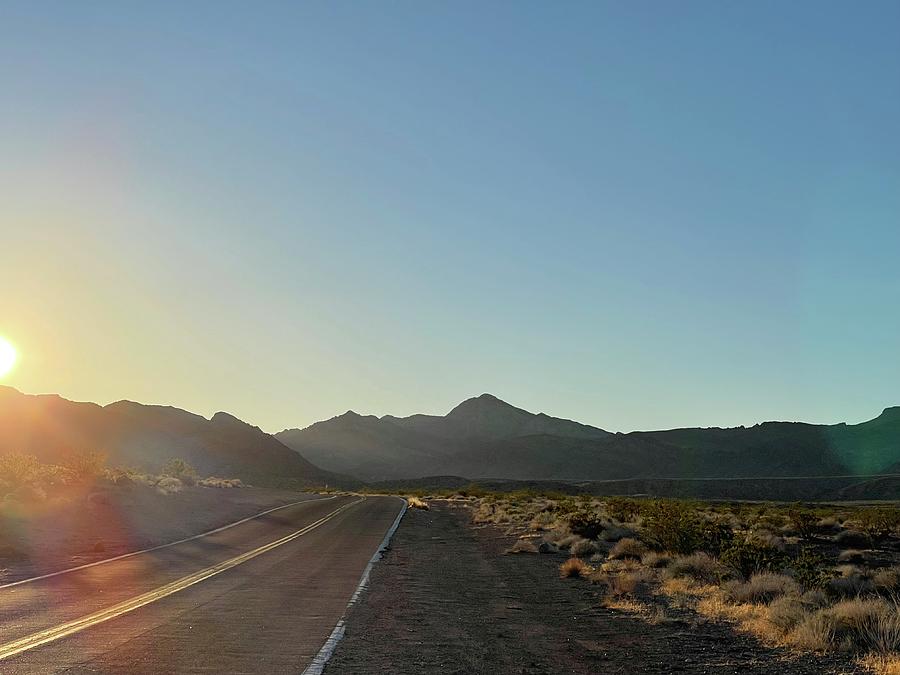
(811,578)
(26,480)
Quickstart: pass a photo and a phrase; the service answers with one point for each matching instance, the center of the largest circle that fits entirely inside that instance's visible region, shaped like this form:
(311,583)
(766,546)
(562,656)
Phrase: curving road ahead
(261,596)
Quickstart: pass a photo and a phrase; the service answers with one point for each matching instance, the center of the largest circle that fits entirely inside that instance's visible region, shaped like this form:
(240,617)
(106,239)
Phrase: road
(262,596)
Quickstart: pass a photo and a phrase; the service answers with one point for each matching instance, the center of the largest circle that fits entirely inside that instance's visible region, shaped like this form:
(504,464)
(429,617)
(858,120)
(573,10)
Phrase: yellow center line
(66,629)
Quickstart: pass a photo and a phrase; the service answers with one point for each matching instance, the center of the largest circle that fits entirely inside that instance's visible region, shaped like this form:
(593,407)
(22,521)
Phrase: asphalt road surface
(260,597)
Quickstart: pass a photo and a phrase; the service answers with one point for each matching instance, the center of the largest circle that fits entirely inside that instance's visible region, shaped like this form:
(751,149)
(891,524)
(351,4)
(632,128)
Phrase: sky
(638,215)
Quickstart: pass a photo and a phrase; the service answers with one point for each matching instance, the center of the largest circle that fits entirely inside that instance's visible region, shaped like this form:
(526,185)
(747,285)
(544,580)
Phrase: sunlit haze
(635,215)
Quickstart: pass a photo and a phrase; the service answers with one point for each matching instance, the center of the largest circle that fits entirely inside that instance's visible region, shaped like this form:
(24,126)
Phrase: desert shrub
(574,567)
(523,546)
(762,588)
(86,466)
(853,539)
(622,509)
(654,559)
(749,557)
(182,470)
(878,522)
(810,570)
(699,566)
(586,524)
(583,548)
(17,469)
(168,485)
(852,583)
(672,526)
(213,482)
(786,613)
(628,548)
(803,520)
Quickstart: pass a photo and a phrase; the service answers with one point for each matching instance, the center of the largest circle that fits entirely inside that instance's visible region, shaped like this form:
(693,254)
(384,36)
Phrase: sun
(7,356)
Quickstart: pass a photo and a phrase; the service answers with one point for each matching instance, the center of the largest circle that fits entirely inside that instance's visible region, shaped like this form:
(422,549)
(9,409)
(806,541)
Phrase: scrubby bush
(810,570)
(878,522)
(749,557)
(627,548)
(586,524)
(672,526)
(182,470)
(86,466)
(213,482)
(622,509)
(17,469)
(803,520)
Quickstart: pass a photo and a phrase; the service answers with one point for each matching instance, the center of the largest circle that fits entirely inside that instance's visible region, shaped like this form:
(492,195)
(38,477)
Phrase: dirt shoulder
(77,528)
(446,599)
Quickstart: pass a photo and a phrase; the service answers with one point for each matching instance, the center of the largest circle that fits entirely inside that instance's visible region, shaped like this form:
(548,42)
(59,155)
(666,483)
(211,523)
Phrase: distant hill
(147,436)
(486,438)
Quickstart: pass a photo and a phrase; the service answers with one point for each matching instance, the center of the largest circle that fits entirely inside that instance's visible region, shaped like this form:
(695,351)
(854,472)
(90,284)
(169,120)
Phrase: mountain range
(485,437)
(481,438)
(147,436)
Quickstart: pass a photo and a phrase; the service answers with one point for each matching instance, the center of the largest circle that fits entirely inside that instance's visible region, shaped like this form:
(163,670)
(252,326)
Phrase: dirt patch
(53,534)
(446,599)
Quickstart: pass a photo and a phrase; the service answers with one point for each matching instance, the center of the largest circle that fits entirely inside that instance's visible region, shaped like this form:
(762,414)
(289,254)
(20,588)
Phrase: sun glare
(7,356)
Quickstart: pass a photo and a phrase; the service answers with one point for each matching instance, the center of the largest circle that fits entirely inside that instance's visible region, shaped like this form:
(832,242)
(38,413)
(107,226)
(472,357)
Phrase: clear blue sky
(638,215)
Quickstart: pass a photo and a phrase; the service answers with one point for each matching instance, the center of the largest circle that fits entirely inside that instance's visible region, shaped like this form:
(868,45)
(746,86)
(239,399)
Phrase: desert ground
(463,589)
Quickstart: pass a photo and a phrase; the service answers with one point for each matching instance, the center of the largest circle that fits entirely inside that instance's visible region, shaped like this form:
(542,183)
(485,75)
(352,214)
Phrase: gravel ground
(446,600)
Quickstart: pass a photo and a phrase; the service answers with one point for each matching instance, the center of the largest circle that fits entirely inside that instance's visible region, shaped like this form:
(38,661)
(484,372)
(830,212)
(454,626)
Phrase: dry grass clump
(574,568)
(882,664)
(860,625)
(523,546)
(416,503)
(762,588)
(887,581)
(543,521)
(698,566)
(628,548)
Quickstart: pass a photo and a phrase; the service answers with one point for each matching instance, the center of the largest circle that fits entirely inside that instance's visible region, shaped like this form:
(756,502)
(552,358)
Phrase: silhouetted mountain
(488,418)
(485,437)
(147,436)
(408,447)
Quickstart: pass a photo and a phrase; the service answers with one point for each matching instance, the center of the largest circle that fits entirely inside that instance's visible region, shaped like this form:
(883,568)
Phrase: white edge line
(161,546)
(317,665)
